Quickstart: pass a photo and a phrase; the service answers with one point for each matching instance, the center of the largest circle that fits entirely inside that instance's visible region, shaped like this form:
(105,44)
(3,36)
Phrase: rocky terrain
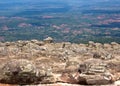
(46,63)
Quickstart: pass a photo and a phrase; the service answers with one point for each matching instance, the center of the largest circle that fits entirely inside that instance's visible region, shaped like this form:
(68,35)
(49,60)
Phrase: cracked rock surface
(45,62)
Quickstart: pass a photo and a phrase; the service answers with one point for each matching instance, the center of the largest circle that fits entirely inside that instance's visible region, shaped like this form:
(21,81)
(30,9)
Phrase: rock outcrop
(19,72)
(46,62)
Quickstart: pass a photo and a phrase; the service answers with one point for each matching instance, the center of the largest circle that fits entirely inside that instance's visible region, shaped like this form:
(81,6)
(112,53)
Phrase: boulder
(19,72)
(98,45)
(7,43)
(107,46)
(91,65)
(91,44)
(48,40)
(97,80)
(96,55)
(115,45)
(95,72)
(21,43)
(103,55)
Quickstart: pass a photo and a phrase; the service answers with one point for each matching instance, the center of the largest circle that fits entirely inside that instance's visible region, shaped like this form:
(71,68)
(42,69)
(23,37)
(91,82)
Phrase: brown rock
(96,55)
(97,80)
(68,78)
